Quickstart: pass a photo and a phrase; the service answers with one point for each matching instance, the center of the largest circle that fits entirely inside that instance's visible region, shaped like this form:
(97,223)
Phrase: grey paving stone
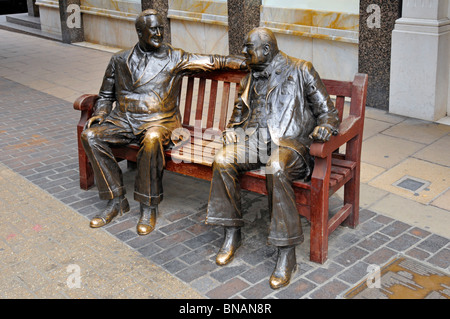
(345,240)
(170,254)
(258,291)
(174,266)
(204,284)
(351,256)
(355,273)
(403,242)
(380,256)
(228,289)
(330,290)
(197,270)
(368,227)
(177,226)
(227,272)
(296,289)
(365,214)
(395,228)
(204,252)
(126,235)
(170,240)
(383,219)
(322,274)
(433,243)
(374,242)
(201,240)
(418,253)
(419,232)
(258,273)
(150,250)
(441,259)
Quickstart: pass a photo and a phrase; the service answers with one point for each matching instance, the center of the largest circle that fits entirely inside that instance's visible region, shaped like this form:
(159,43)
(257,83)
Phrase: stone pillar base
(420,61)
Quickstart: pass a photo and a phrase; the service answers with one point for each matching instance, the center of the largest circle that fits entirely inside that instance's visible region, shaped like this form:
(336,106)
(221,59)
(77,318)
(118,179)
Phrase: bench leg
(351,188)
(86,172)
(319,211)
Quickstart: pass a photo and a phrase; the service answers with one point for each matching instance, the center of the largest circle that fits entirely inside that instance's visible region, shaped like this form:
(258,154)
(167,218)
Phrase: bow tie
(261,75)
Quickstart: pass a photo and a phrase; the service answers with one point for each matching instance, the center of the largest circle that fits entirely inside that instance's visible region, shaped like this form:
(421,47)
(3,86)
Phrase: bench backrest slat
(200,99)
(215,90)
(340,101)
(212,103)
(188,103)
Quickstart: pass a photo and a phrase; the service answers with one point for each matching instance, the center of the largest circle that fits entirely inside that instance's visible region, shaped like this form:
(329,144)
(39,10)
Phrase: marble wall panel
(298,47)
(335,60)
(50,19)
(200,6)
(197,37)
(110,32)
(350,6)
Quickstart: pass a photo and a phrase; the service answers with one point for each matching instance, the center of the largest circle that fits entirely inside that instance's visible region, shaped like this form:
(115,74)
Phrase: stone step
(4,24)
(25,20)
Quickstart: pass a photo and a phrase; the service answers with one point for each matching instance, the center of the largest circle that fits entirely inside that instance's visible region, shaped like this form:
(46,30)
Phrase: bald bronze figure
(139,102)
(282,107)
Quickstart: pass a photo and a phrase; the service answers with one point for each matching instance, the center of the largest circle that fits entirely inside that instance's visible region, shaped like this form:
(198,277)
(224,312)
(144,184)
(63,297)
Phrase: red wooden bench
(209,97)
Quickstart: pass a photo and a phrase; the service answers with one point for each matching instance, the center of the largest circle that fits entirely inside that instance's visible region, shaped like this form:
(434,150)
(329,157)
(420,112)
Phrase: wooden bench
(332,169)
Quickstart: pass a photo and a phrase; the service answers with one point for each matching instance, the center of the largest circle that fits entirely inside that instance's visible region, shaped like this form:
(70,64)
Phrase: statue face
(151,36)
(256,52)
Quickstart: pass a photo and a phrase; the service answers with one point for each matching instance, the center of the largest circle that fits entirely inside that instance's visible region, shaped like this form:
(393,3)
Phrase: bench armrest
(85,102)
(349,128)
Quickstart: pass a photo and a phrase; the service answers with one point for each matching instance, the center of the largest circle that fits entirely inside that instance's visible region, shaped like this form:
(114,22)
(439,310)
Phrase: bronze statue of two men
(282,107)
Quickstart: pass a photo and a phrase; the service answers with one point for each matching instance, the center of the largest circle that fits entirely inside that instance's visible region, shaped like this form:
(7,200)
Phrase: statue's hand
(236,62)
(230,137)
(320,134)
(98,118)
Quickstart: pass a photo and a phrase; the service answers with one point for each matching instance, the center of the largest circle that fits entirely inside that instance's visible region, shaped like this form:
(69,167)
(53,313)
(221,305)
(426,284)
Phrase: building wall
(329,39)
(49,16)
(110,22)
(199,26)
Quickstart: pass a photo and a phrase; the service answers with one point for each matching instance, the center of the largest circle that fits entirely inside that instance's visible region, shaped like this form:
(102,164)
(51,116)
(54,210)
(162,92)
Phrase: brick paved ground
(39,191)
(37,133)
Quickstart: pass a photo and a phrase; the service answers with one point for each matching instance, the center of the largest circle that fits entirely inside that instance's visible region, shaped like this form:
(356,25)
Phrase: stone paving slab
(44,244)
(38,142)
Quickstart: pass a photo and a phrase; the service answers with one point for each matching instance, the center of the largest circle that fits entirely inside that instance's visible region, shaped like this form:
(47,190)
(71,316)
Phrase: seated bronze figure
(282,108)
(144,82)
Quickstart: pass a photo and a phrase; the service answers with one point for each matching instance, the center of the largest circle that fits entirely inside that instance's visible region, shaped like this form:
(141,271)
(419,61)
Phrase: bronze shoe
(147,221)
(286,266)
(115,206)
(230,244)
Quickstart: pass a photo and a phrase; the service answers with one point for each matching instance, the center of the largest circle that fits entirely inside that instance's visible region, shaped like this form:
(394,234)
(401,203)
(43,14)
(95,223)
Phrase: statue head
(150,31)
(260,48)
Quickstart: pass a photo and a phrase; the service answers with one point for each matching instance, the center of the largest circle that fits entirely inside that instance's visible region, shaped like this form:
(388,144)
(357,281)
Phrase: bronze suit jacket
(296,102)
(151,97)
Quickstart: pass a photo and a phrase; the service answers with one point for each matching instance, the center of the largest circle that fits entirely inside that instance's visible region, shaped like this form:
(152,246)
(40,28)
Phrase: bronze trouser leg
(284,166)
(96,142)
(148,188)
(224,207)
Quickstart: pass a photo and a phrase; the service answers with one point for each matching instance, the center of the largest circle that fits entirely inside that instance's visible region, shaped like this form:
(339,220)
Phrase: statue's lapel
(278,73)
(154,66)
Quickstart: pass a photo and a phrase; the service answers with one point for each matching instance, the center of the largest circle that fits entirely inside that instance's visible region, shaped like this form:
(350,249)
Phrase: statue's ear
(266,49)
